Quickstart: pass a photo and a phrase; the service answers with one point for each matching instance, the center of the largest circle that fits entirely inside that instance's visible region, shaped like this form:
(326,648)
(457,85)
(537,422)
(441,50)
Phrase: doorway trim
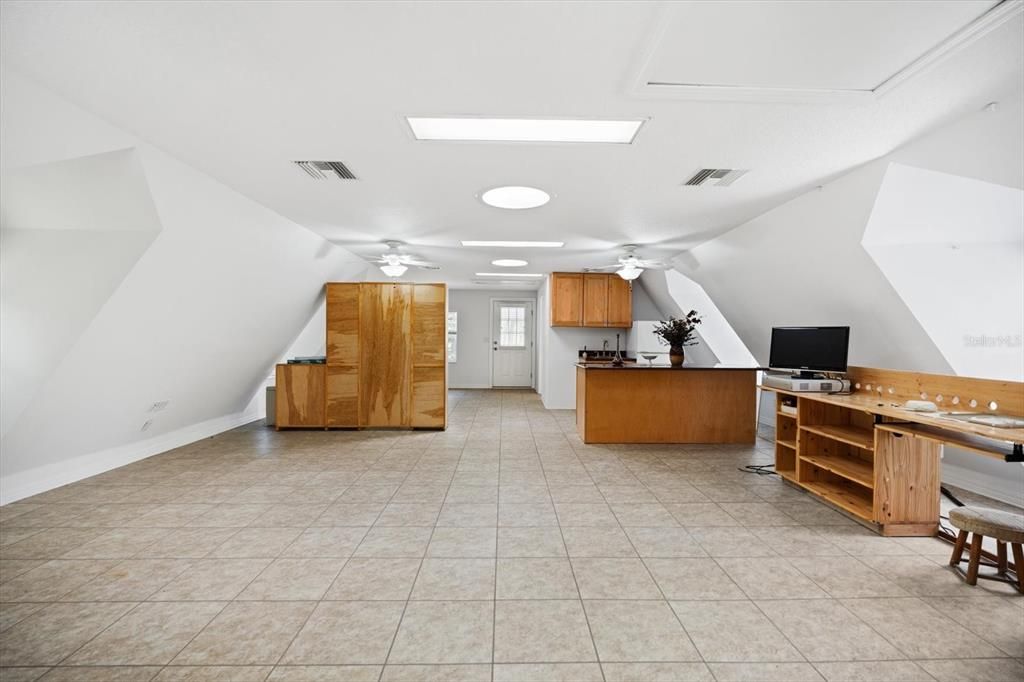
(533,338)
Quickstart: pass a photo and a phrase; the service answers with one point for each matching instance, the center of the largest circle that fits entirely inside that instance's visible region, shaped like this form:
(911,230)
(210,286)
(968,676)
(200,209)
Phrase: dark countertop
(645,366)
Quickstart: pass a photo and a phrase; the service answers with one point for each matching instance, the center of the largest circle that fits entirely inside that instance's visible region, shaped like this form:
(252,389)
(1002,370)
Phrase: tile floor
(502,549)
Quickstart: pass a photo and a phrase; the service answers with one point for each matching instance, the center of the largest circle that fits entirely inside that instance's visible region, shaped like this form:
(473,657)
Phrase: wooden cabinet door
(429,313)
(429,406)
(300,395)
(342,395)
(343,324)
(385,354)
(595,300)
(620,302)
(566,299)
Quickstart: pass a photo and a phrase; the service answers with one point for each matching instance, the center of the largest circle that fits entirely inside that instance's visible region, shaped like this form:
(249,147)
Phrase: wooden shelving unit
(851,435)
(852,469)
(845,496)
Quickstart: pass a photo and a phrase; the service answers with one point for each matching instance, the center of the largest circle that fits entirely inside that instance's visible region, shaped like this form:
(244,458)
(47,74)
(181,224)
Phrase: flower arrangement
(677,332)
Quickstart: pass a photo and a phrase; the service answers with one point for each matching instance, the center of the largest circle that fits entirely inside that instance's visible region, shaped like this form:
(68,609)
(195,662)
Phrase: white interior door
(512,344)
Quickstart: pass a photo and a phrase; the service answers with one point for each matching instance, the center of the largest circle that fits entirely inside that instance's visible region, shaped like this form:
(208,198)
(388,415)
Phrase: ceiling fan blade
(425,266)
(600,268)
(653,265)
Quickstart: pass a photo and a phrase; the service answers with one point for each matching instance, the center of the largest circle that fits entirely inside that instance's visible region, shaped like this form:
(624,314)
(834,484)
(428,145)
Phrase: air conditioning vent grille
(719,177)
(322,170)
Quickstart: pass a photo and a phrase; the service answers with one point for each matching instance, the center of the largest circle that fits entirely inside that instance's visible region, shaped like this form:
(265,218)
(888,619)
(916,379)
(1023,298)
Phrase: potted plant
(677,333)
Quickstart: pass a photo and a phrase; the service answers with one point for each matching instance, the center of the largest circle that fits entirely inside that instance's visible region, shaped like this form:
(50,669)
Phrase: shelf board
(851,435)
(843,497)
(852,469)
(788,474)
(787,443)
(785,414)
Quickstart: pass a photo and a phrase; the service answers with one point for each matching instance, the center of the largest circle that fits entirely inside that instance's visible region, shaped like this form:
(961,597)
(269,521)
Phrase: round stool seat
(991,523)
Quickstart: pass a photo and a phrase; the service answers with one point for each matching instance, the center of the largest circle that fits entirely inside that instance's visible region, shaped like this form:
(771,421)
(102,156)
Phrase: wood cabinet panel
(620,302)
(385,354)
(906,479)
(595,300)
(428,397)
(566,299)
(342,396)
(300,395)
(343,324)
(429,325)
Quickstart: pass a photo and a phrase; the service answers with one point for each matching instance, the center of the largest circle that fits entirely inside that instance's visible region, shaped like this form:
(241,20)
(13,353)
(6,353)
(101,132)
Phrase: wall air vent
(322,170)
(719,177)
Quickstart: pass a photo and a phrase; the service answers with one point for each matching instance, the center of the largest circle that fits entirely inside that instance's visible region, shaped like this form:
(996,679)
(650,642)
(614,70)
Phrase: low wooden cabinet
(386,361)
(591,300)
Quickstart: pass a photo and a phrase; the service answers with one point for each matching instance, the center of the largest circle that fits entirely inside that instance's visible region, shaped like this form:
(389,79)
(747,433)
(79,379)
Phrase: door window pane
(512,327)
(453,332)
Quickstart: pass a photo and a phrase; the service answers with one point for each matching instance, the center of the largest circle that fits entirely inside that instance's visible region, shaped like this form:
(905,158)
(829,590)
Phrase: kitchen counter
(664,404)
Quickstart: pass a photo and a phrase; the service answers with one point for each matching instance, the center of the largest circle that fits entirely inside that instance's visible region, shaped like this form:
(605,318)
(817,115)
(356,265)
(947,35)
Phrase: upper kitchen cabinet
(591,300)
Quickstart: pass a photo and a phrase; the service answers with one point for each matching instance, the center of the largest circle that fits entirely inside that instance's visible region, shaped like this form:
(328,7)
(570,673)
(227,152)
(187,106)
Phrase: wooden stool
(1003,527)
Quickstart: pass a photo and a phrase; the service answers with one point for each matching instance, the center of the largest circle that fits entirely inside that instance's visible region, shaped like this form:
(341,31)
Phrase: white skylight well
(515,197)
(525,275)
(512,244)
(509,262)
(476,129)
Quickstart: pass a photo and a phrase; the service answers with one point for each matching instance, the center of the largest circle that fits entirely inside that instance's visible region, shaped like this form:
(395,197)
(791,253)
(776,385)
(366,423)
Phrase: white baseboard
(1005,489)
(40,479)
(473,387)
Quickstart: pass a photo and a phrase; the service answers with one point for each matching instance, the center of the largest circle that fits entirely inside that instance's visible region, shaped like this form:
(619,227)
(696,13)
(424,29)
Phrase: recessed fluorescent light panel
(474,129)
(525,275)
(515,197)
(509,263)
(514,244)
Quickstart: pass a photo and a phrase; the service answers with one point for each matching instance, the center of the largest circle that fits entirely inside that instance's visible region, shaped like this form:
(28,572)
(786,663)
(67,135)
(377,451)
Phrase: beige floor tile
(24,674)
(638,631)
(685,579)
(454,579)
(576,494)
(213,673)
(325,673)
(548,672)
(974,670)
(290,514)
(541,632)
(463,672)
(733,631)
(764,672)
(463,542)
(186,543)
(132,580)
(824,630)
(445,632)
(12,568)
(326,542)
(53,579)
(643,515)
(229,515)
(923,577)
(56,631)
(368,579)
(664,542)
(758,514)
(247,633)
(614,579)
(769,578)
(51,543)
(873,671)
(918,630)
(597,541)
(997,620)
(293,579)
(212,580)
(576,514)
(254,543)
(797,541)
(527,514)
(656,672)
(536,579)
(472,494)
(409,514)
(720,541)
(394,542)
(346,633)
(530,542)
(120,543)
(135,673)
(350,514)
(14,613)
(848,577)
(151,634)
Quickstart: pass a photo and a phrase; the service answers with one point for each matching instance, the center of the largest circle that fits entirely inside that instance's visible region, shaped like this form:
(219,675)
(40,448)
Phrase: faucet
(604,345)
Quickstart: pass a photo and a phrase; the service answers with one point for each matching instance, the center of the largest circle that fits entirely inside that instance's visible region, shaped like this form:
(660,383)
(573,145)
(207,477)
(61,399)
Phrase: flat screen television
(808,350)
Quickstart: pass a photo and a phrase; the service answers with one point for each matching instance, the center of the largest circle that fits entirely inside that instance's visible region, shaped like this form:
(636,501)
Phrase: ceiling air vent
(321,170)
(720,177)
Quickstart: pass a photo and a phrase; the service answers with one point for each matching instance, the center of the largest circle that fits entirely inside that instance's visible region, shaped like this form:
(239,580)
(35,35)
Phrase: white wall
(803,263)
(472,368)
(217,297)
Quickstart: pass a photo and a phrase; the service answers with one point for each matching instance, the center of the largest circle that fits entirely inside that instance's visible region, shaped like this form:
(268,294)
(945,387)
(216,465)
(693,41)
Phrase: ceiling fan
(630,266)
(394,263)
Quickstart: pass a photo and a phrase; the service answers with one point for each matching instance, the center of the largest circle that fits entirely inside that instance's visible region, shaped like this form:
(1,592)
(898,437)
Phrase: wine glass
(649,357)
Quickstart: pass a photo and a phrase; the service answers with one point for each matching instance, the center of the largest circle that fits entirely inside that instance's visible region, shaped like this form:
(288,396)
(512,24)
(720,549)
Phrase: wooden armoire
(386,361)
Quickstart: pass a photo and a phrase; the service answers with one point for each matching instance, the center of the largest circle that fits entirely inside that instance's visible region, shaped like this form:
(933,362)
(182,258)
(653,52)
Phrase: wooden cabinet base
(663,405)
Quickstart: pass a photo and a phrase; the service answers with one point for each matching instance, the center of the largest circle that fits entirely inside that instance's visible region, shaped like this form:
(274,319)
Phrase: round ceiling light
(509,263)
(515,197)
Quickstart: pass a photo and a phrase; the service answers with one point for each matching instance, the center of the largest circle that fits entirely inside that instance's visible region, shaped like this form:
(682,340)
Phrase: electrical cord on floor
(759,469)
(952,498)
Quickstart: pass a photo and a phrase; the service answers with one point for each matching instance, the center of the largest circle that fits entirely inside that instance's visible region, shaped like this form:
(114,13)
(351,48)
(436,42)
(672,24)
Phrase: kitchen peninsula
(661,404)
